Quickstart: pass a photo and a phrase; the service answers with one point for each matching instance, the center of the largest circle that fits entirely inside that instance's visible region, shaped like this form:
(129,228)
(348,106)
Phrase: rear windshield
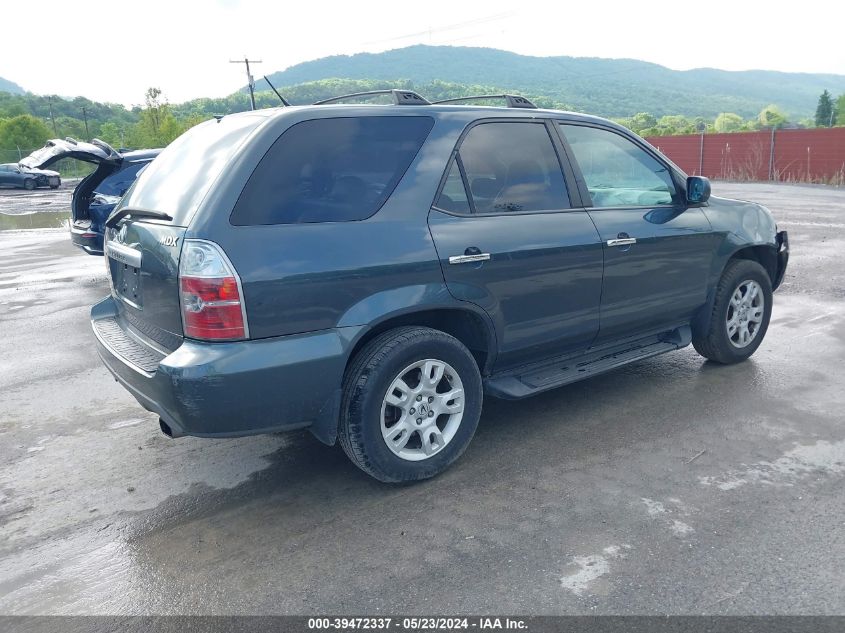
(331,170)
(178,179)
(119,182)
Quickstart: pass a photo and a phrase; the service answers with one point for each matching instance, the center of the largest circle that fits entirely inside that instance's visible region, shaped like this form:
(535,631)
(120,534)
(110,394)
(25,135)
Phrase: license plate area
(125,268)
(127,282)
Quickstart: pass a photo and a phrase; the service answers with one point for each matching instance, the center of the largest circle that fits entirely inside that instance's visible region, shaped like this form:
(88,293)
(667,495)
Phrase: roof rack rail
(512,101)
(400,97)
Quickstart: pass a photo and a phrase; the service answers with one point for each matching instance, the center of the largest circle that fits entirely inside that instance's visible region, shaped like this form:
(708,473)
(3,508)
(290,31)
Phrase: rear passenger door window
(331,170)
(510,167)
(618,172)
(453,196)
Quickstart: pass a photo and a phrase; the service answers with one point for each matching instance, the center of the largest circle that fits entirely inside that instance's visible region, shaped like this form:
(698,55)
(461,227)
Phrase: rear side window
(509,167)
(453,196)
(331,170)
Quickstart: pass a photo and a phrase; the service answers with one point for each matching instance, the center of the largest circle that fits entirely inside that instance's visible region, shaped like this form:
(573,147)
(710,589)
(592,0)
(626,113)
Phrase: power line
(448,27)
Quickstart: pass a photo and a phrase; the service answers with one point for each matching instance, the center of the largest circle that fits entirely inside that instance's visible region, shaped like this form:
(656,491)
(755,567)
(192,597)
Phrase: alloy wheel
(422,409)
(745,313)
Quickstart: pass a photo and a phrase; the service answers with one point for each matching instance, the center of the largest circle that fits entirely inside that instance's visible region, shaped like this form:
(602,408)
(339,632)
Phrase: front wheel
(742,308)
(411,403)
(29,184)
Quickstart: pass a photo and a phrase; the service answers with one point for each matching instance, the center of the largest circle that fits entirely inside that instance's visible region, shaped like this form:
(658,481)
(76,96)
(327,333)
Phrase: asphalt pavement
(670,486)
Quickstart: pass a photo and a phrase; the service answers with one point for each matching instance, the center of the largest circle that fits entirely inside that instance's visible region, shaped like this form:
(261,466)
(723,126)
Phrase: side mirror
(698,189)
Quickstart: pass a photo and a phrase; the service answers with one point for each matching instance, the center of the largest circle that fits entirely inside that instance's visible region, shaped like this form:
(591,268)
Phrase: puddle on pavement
(822,457)
(40,220)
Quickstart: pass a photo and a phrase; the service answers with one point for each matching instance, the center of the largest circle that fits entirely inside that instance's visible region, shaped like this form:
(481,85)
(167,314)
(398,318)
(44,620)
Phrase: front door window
(618,172)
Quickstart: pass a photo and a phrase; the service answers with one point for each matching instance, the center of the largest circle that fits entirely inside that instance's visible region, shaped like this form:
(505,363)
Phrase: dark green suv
(372,272)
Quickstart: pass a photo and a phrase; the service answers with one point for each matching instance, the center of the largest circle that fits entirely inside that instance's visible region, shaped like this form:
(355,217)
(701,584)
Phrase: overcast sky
(113,51)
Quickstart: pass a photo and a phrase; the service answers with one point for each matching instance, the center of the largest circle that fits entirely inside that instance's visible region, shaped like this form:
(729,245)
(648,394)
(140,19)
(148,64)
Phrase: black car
(17,175)
(371,272)
(97,194)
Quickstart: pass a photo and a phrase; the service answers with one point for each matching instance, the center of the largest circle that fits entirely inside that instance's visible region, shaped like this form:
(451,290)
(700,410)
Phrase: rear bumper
(238,388)
(782,240)
(88,240)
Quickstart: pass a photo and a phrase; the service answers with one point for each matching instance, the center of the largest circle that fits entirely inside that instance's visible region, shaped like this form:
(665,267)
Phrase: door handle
(471,254)
(622,241)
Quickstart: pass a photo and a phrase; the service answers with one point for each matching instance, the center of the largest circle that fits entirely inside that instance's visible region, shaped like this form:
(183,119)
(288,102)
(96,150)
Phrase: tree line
(27,121)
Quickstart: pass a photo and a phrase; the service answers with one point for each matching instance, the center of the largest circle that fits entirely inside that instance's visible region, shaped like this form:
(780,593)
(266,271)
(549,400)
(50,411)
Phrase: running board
(533,379)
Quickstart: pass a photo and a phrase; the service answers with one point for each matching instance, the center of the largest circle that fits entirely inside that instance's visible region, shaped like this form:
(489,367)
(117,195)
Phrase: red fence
(816,155)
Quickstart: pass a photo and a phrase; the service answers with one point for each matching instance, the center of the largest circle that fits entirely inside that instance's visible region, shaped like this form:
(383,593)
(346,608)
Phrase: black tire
(714,341)
(365,386)
(29,184)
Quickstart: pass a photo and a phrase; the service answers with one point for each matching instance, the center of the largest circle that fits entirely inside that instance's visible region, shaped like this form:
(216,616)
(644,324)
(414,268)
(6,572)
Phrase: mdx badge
(169,240)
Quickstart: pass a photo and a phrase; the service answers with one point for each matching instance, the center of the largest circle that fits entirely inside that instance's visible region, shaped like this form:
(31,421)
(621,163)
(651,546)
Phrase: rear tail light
(210,294)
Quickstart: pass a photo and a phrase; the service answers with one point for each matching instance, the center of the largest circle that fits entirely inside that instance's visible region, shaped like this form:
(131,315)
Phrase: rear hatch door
(56,149)
(106,158)
(143,261)
(146,230)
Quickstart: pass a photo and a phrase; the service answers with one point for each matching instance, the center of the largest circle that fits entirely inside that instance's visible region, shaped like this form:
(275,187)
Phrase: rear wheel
(740,316)
(29,184)
(411,404)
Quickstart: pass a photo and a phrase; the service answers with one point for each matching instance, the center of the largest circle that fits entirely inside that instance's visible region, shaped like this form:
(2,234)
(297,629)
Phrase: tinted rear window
(180,177)
(331,170)
(119,182)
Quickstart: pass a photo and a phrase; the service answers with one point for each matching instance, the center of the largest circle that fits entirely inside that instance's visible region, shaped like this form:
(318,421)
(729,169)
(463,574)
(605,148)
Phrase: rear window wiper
(117,216)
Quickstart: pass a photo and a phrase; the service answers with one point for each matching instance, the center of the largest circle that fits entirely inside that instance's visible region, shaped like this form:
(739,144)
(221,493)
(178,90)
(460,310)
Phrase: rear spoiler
(115,218)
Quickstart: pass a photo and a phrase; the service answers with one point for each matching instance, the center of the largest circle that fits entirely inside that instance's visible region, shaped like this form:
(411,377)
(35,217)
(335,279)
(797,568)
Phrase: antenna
(250,81)
(284,102)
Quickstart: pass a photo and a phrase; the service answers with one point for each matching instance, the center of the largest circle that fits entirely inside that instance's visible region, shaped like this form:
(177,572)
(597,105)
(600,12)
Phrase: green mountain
(607,87)
(10,86)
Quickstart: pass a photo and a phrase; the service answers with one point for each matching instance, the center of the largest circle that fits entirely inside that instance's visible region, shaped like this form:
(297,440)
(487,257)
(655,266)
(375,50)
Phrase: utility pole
(250,81)
(772,153)
(85,118)
(702,127)
(52,118)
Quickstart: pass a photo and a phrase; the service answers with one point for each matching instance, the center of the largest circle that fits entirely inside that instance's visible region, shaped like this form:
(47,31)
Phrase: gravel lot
(670,486)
